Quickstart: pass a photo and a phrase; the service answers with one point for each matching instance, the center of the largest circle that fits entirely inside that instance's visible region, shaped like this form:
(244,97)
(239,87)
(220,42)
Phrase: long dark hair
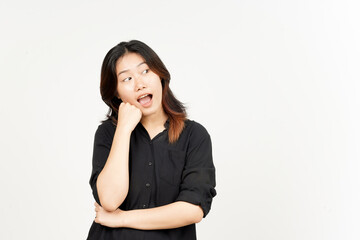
(173,108)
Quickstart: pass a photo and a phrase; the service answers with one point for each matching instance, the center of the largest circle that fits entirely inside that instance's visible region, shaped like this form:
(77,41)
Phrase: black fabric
(159,173)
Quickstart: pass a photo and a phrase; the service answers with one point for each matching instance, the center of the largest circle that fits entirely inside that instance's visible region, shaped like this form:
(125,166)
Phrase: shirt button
(144,206)
(150,163)
(147,185)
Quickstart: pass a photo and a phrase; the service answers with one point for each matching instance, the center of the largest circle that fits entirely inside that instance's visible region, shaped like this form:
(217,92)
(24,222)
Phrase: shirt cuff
(194,198)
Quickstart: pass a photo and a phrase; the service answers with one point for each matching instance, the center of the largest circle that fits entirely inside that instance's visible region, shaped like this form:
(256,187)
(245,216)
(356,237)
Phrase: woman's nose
(139,83)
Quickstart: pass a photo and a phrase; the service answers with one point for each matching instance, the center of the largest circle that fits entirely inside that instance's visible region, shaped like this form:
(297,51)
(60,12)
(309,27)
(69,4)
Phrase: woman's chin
(149,112)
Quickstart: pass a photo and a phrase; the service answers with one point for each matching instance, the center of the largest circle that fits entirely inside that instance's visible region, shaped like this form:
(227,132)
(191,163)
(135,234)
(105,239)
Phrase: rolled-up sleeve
(198,177)
(101,150)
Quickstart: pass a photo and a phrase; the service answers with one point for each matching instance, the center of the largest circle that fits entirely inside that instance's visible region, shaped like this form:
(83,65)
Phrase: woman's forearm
(174,215)
(113,181)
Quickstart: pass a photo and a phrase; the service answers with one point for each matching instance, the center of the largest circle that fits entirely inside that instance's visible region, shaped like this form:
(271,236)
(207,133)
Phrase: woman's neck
(154,121)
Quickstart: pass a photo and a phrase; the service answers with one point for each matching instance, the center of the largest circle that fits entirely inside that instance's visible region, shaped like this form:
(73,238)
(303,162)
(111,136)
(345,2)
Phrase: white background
(275,83)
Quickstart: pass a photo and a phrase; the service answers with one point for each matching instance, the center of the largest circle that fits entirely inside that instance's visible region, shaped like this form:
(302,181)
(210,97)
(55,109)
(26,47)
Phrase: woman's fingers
(97,207)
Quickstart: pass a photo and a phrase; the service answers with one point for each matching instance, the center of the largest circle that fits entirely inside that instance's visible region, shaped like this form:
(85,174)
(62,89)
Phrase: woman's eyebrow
(128,69)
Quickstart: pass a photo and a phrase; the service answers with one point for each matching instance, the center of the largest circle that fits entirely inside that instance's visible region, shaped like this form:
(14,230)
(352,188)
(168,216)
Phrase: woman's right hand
(128,117)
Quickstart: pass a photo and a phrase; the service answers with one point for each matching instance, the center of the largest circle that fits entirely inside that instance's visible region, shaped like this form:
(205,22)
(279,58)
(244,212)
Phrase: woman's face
(138,85)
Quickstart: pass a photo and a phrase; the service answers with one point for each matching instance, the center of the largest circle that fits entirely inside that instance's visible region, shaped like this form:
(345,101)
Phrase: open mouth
(145,99)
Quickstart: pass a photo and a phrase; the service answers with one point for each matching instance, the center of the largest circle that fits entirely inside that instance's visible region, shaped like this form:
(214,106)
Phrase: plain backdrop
(275,83)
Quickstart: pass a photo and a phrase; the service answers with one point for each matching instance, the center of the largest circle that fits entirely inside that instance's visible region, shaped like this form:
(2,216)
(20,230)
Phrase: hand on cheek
(128,116)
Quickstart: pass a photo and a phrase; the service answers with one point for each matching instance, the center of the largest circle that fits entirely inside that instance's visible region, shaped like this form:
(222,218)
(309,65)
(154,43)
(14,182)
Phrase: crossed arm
(113,187)
(173,215)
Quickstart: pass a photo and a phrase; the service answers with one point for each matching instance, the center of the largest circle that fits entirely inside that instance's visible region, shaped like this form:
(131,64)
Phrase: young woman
(153,175)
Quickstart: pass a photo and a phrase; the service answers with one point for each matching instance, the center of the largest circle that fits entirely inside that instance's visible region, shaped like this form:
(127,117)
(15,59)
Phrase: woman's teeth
(143,96)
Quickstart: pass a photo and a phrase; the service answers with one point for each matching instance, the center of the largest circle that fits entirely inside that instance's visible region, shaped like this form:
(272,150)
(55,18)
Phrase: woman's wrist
(122,217)
(122,131)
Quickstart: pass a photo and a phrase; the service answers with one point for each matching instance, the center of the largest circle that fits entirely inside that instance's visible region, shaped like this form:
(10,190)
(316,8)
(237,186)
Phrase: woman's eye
(127,79)
(145,71)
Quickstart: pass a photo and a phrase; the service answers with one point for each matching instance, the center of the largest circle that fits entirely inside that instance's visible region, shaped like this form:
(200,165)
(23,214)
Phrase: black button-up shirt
(159,173)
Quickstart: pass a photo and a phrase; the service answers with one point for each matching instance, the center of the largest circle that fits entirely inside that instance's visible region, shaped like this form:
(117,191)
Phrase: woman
(153,176)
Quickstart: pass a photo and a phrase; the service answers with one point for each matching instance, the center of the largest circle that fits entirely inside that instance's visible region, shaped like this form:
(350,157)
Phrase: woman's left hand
(106,218)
